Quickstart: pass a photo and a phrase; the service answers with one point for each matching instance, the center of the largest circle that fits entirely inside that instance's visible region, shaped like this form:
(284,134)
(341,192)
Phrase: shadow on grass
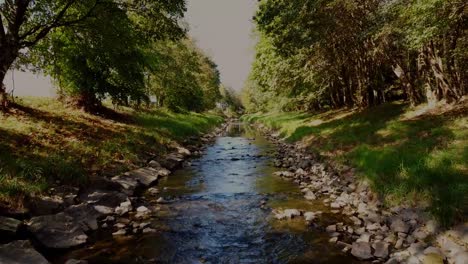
(418,159)
(43,145)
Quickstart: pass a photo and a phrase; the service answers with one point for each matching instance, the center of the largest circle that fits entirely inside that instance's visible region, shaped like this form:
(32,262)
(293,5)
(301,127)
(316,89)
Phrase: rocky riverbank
(369,230)
(69,217)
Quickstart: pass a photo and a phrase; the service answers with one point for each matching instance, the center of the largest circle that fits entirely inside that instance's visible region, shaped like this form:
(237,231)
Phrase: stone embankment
(368,230)
(67,218)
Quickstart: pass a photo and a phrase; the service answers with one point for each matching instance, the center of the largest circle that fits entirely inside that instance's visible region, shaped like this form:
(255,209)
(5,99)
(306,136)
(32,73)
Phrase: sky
(222,28)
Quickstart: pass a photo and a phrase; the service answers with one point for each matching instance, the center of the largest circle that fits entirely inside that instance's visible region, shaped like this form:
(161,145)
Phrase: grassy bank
(44,142)
(416,156)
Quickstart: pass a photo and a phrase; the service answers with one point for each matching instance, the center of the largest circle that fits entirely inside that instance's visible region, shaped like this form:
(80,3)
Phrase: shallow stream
(215,213)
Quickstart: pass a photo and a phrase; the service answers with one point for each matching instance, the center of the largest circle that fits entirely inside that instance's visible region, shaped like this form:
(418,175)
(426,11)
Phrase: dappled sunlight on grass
(42,142)
(412,155)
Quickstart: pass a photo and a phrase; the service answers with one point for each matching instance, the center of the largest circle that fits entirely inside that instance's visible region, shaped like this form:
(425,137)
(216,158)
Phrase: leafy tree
(23,23)
(183,78)
(315,54)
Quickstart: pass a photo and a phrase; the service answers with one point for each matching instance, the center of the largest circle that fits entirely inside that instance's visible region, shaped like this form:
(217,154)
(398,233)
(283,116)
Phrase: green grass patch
(43,142)
(418,159)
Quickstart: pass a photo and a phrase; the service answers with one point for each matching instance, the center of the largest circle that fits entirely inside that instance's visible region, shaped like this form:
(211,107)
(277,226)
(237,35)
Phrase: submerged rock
(20,252)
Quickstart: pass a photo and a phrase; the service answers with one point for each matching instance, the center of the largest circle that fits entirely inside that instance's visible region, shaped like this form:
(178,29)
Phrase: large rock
(58,231)
(85,215)
(132,181)
(20,252)
(9,226)
(361,250)
(45,205)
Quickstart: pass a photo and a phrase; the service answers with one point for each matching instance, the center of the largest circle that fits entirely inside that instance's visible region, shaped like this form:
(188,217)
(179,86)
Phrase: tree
(23,23)
(316,54)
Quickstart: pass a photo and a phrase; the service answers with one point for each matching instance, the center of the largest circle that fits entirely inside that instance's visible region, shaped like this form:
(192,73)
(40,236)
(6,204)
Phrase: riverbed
(219,210)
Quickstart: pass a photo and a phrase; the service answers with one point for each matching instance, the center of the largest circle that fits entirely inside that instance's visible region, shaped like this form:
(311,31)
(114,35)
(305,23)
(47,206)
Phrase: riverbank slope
(411,156)
(43,143)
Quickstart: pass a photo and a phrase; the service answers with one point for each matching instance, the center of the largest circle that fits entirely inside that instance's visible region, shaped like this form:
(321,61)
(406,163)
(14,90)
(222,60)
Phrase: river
(215,215)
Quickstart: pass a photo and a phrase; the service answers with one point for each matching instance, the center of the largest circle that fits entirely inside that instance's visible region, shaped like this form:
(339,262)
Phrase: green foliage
(182,77)
(315,54)
(418,159)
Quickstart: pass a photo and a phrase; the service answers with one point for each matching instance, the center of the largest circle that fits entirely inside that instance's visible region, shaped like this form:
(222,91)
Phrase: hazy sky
(222,28)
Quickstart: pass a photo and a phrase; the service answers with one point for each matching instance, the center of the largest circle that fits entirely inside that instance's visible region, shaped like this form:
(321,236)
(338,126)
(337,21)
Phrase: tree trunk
(8,55)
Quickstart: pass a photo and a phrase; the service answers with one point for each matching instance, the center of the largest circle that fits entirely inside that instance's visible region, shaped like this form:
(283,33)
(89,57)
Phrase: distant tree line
(319,54)
(125,51)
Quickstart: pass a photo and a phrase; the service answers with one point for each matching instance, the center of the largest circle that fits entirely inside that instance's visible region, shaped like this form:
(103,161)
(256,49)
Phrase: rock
(433,258)
(148,230)
(361,250)
(373,227)
(143,209)
(399,243)
(309,216)
(291,213)
(153,191)
(104,198)
(85,215)
(172,161)
(399,226)
(76,261)
(309,195)
(161,200)
(9,226)
(57,231)
(333,240)
(381,249)
(364,238)
(420,235)
(104,210)
(154,164)
(124,208)
(120,232)
(461,258)
(392,261)
(331,228)
(183,151)
(134,181)
(20,252)
(45,205)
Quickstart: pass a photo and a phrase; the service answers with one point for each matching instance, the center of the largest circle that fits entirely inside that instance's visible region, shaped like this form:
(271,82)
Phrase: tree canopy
(316,54)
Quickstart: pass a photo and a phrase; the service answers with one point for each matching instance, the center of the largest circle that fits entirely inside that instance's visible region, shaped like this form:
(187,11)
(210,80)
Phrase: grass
(412,156)
(43,143)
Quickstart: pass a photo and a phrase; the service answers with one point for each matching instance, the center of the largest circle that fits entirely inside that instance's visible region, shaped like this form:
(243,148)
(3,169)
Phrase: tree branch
(43,30)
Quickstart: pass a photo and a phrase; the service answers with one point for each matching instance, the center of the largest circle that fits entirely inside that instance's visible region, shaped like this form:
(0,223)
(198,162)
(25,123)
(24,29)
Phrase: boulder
(85,215)
(361,250)
(20,252)
(45,205)
(9,226)
(57,231)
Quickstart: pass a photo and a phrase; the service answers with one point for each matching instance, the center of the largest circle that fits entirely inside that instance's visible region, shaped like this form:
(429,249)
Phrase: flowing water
(215,215)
